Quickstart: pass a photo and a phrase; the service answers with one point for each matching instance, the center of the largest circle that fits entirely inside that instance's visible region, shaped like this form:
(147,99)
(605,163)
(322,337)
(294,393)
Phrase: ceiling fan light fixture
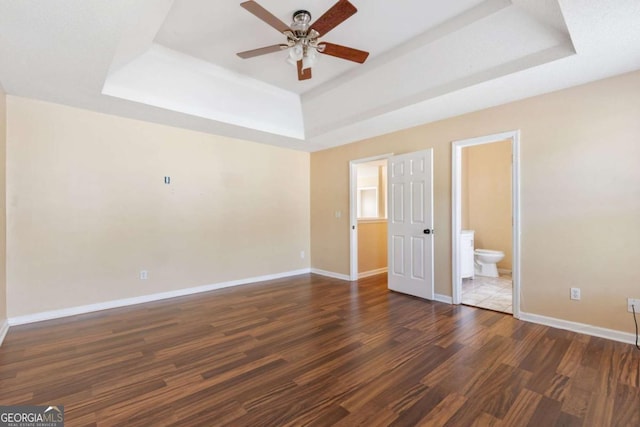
(296,53)
(310,59)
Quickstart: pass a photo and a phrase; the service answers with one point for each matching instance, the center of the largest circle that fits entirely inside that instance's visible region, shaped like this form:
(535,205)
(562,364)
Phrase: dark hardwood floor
(315,351)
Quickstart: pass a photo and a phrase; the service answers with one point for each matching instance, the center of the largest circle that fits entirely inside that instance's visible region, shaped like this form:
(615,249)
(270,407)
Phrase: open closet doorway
(486,224)
(368,216)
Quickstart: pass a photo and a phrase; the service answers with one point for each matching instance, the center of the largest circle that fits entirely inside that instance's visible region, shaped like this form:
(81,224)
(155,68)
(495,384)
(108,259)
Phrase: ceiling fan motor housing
(301,22)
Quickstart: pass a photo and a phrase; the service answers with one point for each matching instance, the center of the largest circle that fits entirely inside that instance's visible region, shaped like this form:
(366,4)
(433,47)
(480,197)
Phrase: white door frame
(353,212)
(456,198)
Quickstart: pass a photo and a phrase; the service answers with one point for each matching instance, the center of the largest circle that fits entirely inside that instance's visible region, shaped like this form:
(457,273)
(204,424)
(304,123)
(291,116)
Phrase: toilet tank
(466,254)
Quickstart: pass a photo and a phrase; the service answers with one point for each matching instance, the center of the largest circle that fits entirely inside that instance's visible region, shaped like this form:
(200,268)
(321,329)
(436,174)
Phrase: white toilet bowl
(485,261)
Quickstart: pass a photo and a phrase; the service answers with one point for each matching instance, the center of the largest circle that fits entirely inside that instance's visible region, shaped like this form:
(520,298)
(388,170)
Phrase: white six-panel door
(410,227)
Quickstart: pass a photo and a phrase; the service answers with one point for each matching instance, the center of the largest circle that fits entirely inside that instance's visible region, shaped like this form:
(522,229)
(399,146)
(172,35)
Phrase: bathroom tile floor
(494,293)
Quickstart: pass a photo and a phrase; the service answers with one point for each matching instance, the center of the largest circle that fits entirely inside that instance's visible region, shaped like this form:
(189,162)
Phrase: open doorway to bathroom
(368,214)
(486,224)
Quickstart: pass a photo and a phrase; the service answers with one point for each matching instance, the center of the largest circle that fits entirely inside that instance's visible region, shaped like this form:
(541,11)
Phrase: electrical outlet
(302,254)
(575,293)
(144,274)
(635,303)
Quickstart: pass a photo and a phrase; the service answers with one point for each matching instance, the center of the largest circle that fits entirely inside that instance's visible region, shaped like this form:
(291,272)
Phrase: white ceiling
(216,31)
(174,62)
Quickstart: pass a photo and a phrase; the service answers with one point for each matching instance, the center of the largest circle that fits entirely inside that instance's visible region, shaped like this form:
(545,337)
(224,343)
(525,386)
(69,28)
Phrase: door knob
(428,231)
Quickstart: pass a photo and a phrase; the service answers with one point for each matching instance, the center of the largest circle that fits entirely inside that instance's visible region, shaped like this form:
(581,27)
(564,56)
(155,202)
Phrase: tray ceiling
(174,62)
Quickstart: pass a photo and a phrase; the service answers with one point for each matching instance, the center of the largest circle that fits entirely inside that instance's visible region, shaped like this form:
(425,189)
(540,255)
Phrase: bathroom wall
(580,191)
(88,208)
(486,197)
(372,245)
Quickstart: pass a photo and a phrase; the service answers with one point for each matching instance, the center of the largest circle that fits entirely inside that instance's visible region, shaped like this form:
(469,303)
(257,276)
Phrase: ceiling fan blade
(303,74)
(333,17)
(261,51)
(262,13)
(348,53)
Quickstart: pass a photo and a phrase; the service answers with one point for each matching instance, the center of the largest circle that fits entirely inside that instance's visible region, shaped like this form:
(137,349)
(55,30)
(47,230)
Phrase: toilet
(485,261)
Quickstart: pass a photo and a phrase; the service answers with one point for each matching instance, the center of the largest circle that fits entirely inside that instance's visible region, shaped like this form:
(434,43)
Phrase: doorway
(485,210)
(368,216)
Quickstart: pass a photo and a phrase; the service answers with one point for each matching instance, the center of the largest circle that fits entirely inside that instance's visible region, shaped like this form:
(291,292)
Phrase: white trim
(72,311)
(456,211)
(516,230)
(372,272)
(456,222)
(581,328)
(443,298)
(372,221)
(331,274)
(4,328)
(353,214)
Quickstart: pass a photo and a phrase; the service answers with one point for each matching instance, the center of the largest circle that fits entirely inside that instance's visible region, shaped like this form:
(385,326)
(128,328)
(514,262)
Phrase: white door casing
(410,224)
(456,209)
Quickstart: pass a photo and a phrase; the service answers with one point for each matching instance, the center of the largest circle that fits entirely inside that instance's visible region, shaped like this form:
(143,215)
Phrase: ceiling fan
(302,36)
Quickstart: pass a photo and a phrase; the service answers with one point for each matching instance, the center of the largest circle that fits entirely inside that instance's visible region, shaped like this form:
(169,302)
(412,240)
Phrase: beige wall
(88,208)
(372,245)
(3,218)
(580,196)
(486,196)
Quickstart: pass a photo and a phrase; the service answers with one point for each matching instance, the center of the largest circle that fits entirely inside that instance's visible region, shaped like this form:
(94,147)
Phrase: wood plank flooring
(315,351)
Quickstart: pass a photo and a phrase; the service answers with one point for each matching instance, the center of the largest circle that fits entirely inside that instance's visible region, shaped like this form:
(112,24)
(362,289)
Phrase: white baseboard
(443,298)
(504,271)
(372,272)
(4,328)
(331,274)
(581,328)
(72,311)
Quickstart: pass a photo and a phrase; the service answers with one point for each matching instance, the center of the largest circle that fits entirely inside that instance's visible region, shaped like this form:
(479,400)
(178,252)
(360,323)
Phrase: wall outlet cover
(575,293)
(635,302)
